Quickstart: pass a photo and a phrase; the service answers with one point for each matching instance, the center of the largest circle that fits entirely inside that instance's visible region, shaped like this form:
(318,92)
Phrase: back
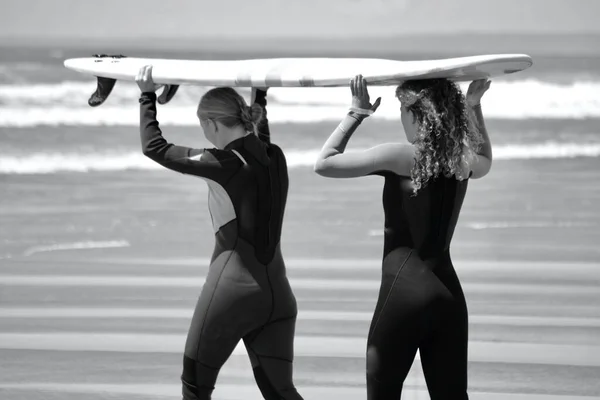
(424,222)
(259,193)
(247,182)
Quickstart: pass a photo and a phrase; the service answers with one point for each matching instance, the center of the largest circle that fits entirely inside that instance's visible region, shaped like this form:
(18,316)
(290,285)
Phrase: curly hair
(445,128)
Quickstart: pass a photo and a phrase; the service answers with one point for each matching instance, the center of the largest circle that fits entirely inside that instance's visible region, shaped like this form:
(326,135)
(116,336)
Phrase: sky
(132,19)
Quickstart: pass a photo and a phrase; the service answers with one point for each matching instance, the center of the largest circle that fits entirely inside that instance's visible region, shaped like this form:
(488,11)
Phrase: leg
(271,351)
(395,329)
(207,348)
(444,353)
(224,313)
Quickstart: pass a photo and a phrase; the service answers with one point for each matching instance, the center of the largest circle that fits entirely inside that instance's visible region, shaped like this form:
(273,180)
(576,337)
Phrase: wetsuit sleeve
(332,162)
(263,126)
(212,164)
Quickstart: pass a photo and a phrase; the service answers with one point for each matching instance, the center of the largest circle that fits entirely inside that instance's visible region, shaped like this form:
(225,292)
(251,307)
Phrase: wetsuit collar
(239,142)
(253,145)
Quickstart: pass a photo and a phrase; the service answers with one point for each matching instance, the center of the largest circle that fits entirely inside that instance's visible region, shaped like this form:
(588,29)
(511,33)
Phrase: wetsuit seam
(271,190)
(272,300)
(206,365)
(234,174)
(262,327)
(212,297)
(278,320)
(269,240)
(390,293)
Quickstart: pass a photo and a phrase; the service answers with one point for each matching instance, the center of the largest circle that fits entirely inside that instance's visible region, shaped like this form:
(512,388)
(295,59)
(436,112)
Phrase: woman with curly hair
(421,303)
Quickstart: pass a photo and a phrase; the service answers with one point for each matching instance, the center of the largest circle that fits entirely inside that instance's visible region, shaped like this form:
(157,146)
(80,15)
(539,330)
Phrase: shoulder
(394,157)
(276,155)
(273,147)
(223,157)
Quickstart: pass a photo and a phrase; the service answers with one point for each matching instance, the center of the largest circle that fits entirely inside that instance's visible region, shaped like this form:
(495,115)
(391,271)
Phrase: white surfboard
(288,72)
(300,72)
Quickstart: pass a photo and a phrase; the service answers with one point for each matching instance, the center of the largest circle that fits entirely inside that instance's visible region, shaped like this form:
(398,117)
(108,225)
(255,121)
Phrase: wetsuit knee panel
(198,380)
(285,390)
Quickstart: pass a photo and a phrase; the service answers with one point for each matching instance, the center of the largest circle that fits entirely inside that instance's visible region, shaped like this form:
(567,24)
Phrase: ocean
(101,249)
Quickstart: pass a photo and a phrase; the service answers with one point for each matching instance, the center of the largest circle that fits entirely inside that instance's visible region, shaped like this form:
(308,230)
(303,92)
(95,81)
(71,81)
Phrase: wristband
(361,111)
(358,117)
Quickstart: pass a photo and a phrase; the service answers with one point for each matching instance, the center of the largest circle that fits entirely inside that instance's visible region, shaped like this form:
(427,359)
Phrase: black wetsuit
(421,303)
(246,294)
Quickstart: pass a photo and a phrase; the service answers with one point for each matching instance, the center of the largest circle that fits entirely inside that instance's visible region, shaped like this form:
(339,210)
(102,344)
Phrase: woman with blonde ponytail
(246,295)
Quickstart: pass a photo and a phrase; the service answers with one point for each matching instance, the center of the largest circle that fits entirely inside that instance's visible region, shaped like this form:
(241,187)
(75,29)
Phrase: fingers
(376,104)
(144,74)
(484,83)
(148,73)
(352,88)
(140,74)
(364,87)
(479,86)
(360,86)
(145,81)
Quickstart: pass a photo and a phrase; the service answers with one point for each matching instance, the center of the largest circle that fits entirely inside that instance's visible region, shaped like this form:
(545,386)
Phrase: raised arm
(212,164)
(259,96)
(332,162)
(482,164)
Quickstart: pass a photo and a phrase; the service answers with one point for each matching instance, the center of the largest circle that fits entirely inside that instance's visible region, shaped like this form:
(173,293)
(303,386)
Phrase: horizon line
(274,37)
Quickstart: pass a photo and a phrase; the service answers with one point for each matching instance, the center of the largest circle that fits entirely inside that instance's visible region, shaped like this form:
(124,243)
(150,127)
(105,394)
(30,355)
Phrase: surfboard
(293,72)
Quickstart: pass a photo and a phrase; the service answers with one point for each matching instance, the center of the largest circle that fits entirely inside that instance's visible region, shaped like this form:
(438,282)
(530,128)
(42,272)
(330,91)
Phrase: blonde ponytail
(226,105)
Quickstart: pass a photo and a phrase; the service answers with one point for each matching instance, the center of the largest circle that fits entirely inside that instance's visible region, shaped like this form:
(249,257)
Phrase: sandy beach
(113,326)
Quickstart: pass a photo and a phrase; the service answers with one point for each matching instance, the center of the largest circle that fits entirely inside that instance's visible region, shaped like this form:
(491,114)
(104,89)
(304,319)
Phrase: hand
(360,94)
(476,90)
(144,80)
(254,91)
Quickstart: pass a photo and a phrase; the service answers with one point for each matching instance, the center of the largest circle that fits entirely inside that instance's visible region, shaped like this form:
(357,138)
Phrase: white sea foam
(66,103)
(47,163)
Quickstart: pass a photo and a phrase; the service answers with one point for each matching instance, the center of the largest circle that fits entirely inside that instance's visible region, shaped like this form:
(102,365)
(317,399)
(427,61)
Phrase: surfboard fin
(167,94)
(103,89)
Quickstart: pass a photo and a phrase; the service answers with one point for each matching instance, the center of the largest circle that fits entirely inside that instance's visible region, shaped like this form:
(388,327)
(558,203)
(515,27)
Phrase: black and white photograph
(300,200)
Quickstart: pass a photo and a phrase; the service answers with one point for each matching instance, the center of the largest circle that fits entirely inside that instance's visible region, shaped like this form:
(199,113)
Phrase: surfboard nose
(76,63)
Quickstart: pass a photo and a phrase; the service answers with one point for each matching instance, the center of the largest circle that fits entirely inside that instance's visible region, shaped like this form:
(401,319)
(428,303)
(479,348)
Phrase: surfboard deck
(299,72)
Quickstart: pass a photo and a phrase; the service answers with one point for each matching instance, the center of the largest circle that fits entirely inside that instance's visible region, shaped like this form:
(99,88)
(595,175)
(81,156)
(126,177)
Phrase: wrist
(147,95)
(357,116)
(361,111)
(349,123)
